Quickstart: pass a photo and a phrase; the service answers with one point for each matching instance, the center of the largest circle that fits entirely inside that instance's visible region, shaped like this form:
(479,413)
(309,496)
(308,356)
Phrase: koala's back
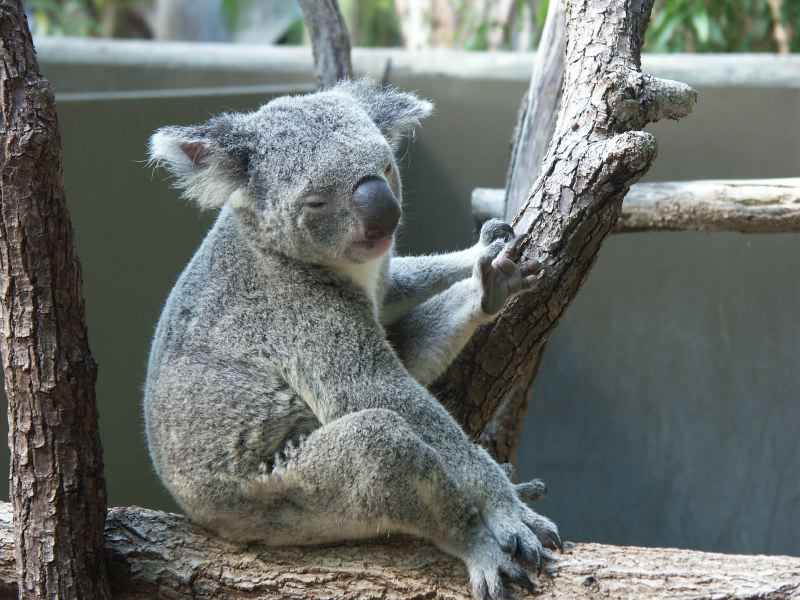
(217,403)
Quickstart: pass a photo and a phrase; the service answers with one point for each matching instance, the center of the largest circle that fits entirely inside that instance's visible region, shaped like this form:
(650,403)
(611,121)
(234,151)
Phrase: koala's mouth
(365,250)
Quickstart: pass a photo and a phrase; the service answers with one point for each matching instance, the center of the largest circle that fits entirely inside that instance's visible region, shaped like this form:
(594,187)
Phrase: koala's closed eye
(317,203)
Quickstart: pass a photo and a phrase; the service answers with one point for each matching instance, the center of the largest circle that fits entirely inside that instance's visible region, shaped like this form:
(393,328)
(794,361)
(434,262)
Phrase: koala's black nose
(377,206)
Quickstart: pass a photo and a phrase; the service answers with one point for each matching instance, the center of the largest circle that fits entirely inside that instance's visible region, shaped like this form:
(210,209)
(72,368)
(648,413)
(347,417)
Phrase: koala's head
(313,177)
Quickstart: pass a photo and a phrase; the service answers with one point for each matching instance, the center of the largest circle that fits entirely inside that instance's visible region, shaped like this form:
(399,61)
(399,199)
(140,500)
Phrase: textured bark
(329,39)
(154,556)
(537,118)
(57,484)
(743,205)
(596,154)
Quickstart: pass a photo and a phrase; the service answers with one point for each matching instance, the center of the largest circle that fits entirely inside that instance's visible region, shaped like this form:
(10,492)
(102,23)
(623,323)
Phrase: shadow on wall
(668,402)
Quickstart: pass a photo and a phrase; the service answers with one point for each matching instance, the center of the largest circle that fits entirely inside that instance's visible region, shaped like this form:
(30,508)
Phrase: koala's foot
(545,530)
(532,490)
(528,491)
(503,276)
(510,545)
(488,565)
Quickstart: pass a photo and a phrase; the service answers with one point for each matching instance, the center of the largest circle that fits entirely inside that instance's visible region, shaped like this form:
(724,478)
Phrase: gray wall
(666,412)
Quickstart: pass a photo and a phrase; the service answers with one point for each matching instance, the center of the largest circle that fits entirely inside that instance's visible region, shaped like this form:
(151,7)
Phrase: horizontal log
(154,555)
(746,206)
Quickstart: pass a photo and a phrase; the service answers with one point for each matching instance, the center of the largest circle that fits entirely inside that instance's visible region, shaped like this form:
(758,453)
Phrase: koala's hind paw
(545,530)
(514,536)
(488,566)
(504,276)
(532,490)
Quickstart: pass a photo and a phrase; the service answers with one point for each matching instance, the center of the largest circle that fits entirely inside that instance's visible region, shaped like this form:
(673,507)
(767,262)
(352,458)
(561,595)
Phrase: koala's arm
(430,336)
(412,280)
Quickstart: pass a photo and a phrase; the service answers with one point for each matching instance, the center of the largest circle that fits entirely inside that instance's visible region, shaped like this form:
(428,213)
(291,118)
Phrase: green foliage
(719,26)
(371,22)
(676,25)
(85,18)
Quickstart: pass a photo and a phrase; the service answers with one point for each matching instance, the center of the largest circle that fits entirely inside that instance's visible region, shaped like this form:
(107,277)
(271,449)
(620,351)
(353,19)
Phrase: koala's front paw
(494,236)
(502,277)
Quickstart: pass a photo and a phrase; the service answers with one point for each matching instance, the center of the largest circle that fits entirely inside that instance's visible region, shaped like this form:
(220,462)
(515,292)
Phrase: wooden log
(154,555)
(746,206)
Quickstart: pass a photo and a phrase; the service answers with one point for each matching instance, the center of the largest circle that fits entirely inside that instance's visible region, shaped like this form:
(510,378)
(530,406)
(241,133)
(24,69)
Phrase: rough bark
(154,556)
(597,152)
(329,39)
(743,205)
(57,484)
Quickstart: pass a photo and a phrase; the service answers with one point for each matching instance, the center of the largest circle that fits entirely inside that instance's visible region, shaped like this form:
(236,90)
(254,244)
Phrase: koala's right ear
(394,112)
(207,166)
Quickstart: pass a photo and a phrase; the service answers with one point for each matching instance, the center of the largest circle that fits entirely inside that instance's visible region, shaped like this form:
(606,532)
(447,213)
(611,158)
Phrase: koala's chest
(367,276)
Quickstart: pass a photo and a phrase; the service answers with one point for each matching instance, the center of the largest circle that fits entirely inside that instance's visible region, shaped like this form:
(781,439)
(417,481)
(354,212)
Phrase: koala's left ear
(394,112)
(209,161)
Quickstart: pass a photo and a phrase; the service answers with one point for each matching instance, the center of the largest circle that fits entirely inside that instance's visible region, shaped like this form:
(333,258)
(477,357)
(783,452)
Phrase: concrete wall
(667,408)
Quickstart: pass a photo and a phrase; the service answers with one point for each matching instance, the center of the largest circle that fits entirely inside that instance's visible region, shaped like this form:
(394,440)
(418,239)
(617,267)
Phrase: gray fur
(276,407)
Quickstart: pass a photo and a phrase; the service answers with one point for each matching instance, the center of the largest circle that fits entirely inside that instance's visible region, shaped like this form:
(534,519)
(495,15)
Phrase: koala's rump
(207,424)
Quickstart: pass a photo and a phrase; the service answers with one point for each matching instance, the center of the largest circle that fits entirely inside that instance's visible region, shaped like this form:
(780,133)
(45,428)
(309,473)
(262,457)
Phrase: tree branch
(743,205)
(329,40)
(537,118)
(160,556)
(57,484)
(595,155)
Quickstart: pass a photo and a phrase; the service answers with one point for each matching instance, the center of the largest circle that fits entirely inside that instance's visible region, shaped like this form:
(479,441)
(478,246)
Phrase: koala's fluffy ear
(395,112)
(205,160)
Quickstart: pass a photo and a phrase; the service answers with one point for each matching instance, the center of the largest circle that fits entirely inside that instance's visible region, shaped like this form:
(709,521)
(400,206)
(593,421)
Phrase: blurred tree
(190,20)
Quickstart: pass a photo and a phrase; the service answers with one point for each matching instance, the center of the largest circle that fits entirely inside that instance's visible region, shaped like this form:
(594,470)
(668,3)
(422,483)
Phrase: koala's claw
(519,576)
(554,541)
(532,490)
(544,529)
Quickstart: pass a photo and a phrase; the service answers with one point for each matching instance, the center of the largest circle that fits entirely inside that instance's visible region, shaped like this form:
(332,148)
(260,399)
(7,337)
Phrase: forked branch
(597,152)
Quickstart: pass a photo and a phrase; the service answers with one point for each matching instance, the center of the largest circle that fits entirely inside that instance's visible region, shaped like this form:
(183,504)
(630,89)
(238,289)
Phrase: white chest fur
(366,275)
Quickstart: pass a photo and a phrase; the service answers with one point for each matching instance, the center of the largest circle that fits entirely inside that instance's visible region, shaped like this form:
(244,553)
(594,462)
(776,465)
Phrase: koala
(286,400)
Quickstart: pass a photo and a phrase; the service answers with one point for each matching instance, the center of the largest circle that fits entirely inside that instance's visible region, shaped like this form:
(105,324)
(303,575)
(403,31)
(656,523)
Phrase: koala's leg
(365,474)
(430,336)
(414,279)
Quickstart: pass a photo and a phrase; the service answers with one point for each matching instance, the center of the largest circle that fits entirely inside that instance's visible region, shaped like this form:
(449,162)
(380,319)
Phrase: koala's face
(312,177)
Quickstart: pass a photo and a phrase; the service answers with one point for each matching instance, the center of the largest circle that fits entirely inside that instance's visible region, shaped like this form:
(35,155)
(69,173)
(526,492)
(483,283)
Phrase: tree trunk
(57,484)
(159,556)
(329,39)
(532,136)
(742,205)
(597,152)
